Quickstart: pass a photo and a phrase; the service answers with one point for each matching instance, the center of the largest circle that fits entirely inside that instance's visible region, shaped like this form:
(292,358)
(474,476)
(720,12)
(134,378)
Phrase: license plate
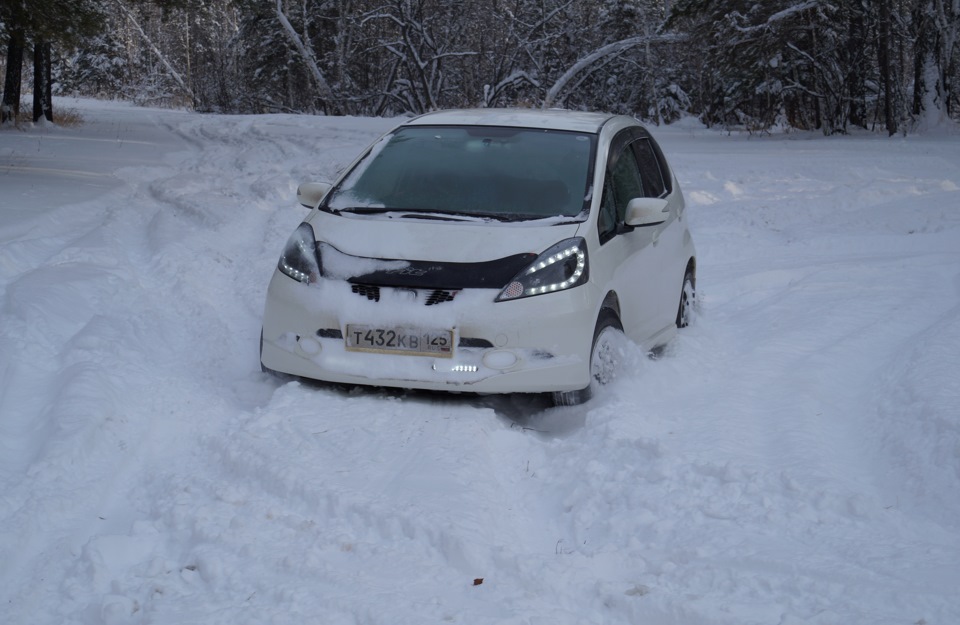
(408,341)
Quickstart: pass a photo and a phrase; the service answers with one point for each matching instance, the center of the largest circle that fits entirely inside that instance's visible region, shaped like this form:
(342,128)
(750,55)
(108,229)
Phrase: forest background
(830,65)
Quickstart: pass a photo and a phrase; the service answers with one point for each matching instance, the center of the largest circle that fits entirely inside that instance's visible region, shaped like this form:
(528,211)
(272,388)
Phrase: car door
(627,253)
(667,238)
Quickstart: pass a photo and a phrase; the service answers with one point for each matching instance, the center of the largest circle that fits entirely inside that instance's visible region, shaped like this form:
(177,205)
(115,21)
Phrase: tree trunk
(10,108)
(886,68)
(856,70)
(42,89)
(948,27)
(928,103)
(306,51)
(157,52)
(617,47)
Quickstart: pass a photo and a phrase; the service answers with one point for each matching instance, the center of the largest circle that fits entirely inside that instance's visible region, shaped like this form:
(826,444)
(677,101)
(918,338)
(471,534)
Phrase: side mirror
(310,194)
(646,211)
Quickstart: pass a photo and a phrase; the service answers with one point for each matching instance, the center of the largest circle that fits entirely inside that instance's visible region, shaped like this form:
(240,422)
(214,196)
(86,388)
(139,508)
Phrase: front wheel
(263,368)
(606,356)
(267,370)
(688,299)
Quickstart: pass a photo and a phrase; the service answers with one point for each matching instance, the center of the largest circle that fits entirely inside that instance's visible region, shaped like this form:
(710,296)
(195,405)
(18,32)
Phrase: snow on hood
(393,236)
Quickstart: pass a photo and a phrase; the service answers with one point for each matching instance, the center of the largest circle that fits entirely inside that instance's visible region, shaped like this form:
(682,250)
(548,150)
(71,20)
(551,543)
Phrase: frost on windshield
(483,171)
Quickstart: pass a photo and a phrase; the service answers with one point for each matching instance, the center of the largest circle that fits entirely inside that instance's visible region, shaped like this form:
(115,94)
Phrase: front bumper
(535,344)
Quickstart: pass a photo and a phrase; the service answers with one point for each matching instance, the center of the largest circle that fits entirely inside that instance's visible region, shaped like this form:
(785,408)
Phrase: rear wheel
(605,358)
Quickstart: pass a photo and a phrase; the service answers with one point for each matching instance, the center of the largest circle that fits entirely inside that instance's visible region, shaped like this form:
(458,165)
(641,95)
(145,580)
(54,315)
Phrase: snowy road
(793,458)
(42,168)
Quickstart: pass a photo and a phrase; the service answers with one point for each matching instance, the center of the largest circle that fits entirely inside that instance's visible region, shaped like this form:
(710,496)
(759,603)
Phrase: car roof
(549,119)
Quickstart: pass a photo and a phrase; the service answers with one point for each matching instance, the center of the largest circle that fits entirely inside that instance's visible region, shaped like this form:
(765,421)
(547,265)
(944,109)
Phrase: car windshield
(482,171)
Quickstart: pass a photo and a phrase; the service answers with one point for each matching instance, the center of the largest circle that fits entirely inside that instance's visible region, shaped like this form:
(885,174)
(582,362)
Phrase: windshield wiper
(361,210)
(434,216)
(401,213)
(423,213)
(416,213)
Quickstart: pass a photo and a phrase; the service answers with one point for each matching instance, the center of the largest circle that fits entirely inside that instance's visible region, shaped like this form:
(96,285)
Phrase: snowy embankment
(793,458)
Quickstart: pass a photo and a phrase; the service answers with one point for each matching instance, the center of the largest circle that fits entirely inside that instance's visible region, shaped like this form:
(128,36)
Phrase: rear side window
(651,171)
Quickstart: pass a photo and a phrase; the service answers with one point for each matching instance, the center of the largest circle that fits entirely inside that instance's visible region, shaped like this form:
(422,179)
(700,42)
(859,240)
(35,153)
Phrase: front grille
(372,293)
(429,297)
(440,296)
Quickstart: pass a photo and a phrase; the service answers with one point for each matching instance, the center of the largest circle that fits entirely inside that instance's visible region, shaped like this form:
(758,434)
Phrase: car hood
(394,237)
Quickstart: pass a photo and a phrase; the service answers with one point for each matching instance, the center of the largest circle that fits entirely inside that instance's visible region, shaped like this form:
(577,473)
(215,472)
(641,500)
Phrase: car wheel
(605,358)
(280,376)
(262,367)
(688,299)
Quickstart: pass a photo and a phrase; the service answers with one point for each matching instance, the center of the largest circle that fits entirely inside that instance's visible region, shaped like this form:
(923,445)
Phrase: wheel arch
(691,270)
(610,302)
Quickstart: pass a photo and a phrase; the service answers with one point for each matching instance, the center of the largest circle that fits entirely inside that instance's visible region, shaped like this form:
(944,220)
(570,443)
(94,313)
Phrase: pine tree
(42,22)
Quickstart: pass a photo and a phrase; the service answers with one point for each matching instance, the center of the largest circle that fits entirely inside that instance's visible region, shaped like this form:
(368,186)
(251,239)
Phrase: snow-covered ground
(792,458)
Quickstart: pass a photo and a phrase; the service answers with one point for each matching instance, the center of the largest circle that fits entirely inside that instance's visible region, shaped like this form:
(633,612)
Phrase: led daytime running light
(299,258)
(563,266)
(556,258)
(293,272)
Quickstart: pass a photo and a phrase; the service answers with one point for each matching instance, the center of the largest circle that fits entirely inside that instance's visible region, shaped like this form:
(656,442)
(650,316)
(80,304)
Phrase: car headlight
(299,259)
(563,266)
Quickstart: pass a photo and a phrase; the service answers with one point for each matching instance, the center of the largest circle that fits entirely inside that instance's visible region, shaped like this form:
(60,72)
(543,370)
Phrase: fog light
(500,359)
(451,368)
(309,346)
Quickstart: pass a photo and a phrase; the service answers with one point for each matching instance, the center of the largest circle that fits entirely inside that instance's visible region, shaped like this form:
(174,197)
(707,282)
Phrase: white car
(487,251)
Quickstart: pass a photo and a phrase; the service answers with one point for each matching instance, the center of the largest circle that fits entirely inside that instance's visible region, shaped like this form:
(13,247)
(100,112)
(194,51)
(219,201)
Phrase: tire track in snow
(332,502)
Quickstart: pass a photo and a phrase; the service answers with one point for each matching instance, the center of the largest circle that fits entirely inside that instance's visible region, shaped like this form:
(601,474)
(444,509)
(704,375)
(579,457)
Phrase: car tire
(605,359)
(688,299)
(263,368)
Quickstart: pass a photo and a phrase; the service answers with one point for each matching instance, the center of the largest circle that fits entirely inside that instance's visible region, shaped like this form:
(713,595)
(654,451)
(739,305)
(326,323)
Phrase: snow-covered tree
(936,36)
(812,64)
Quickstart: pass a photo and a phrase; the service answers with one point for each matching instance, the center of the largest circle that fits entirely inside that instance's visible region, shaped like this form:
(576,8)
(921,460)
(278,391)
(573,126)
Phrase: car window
(626,181)
(474,170)
(650,171)
(607,219)
(622,183)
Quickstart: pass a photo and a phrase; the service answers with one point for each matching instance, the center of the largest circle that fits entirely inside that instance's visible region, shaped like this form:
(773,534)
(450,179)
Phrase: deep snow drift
(792,458)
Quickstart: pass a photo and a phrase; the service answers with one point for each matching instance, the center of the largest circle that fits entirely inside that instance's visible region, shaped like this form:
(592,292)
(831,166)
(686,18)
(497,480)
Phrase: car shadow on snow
(527,412)
(536,413)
